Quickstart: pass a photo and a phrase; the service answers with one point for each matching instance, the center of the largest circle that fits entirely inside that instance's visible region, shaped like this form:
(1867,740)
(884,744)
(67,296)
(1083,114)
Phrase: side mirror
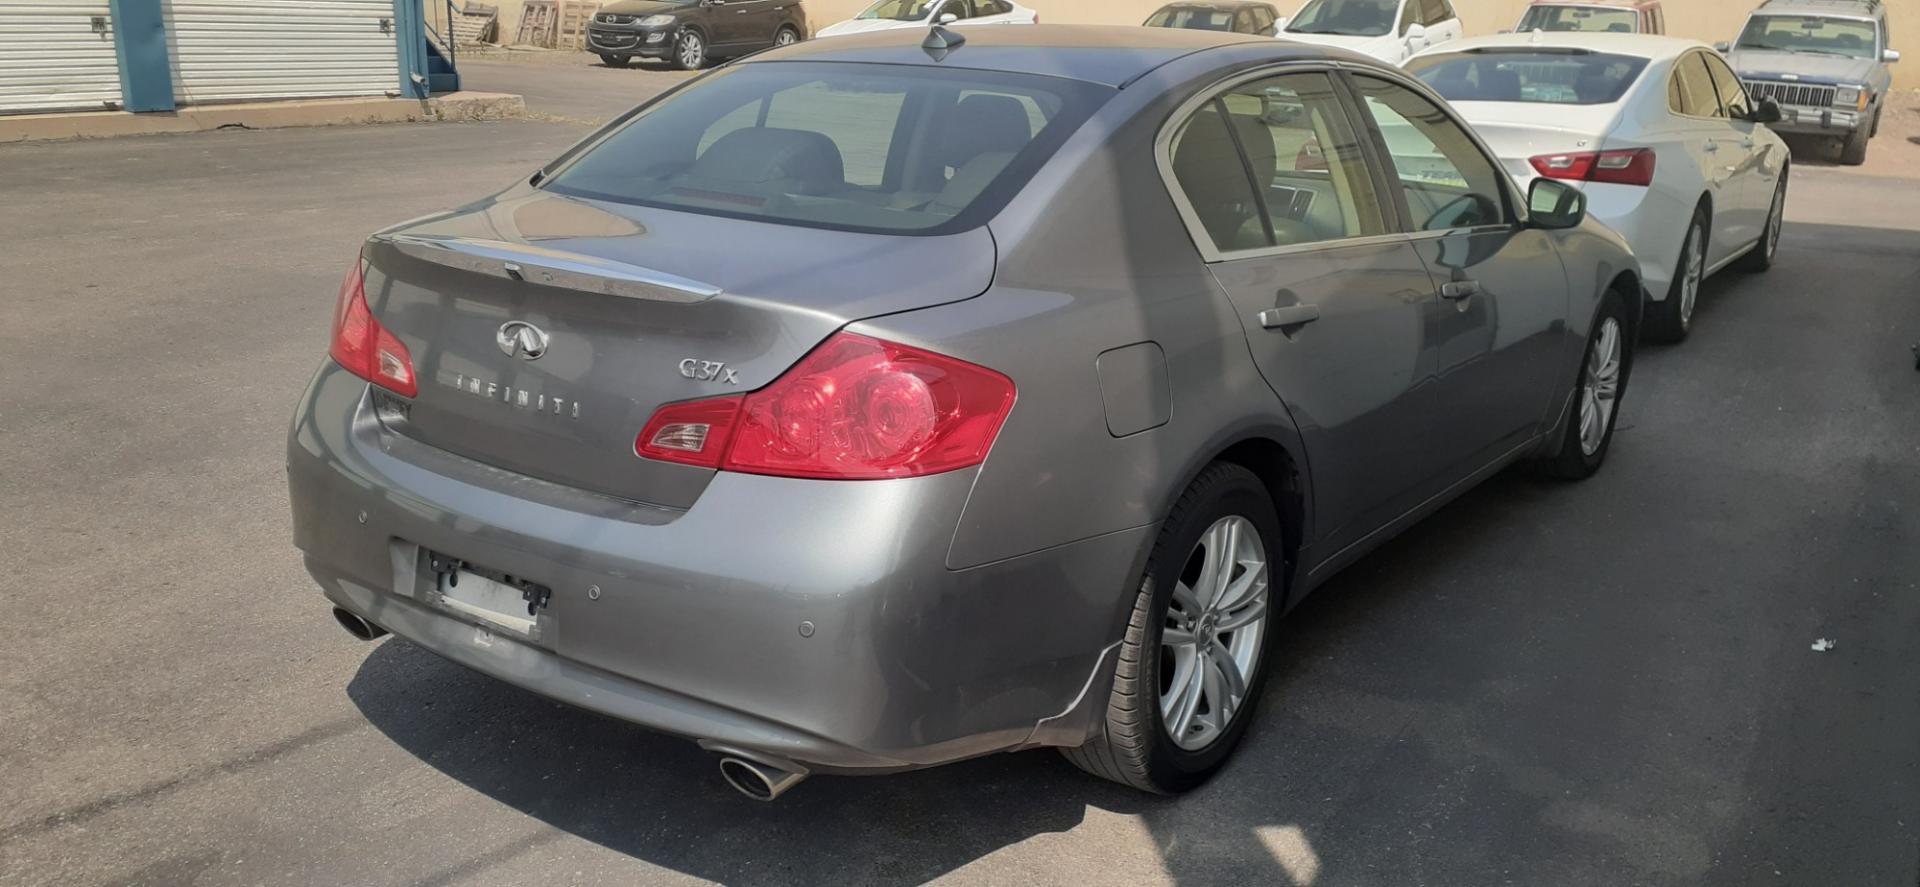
(1416,34)
(1765,111)
(1890,56)
(1554,205)
(1723,47)
(948,18)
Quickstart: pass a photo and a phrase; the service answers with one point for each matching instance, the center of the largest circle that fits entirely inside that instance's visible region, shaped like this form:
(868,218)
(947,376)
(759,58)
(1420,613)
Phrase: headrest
(760,155)
(984,124)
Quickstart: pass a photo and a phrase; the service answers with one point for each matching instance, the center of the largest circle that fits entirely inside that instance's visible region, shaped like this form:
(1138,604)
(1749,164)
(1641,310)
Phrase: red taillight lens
(363,346)
(855,409)
(1630,167)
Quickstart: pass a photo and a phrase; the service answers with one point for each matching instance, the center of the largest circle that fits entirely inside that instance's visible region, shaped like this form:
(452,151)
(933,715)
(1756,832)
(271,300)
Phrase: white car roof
(1652,46)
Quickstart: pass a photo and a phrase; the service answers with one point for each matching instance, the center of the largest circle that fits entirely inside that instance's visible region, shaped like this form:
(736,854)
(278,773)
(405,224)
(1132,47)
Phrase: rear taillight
(1633,166)
(854,409)
(363,346)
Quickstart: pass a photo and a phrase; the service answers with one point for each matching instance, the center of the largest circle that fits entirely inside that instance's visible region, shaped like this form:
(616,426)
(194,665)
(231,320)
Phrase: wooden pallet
(556,24)
(475,24)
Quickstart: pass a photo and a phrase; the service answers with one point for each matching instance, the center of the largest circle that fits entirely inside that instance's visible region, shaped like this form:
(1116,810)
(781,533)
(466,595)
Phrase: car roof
(1653,46)
(1852,8)
(1621,4)
(1108,55)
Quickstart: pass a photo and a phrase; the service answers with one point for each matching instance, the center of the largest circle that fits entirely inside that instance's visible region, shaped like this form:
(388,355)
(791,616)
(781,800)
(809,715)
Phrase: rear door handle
(1460,289)
(1292,315)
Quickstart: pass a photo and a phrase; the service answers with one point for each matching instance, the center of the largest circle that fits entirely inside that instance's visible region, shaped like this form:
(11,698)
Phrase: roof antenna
(941,42)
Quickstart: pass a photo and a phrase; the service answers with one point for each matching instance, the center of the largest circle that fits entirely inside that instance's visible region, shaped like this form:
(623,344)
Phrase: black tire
(1760,258)
(689,50)
(1669,320)
(786,36)
(1875,132)
(1574,461)
(1132,746)
(616,61)
(1853,149)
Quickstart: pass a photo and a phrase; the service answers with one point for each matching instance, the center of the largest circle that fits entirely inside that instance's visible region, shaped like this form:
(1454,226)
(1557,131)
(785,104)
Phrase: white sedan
(887,14)
(1389,30)
(1659,133)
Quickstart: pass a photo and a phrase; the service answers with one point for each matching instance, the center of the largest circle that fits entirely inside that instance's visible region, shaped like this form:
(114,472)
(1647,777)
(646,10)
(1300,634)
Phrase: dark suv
(689,32)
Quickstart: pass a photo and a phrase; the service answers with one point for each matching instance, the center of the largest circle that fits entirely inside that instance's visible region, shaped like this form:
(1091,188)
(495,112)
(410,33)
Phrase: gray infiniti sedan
(879,402)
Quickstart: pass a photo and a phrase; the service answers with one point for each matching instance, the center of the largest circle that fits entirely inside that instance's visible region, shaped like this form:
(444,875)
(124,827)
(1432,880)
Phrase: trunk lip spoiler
(549,267)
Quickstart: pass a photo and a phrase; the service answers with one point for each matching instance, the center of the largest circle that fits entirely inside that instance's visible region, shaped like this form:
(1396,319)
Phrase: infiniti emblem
(518,338)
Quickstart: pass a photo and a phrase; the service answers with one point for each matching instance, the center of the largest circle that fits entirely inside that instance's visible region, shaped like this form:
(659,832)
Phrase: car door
(1503,286)
(1410,15)
(1445,23)
(1338,309)
(1749,158)
(1712,147)
(731,22)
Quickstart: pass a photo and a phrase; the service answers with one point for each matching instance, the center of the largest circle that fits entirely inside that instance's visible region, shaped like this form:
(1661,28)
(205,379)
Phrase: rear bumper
(809,620)
(1799,120)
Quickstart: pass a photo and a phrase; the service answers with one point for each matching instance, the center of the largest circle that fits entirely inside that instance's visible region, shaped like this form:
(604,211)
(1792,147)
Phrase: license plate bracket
(494,597)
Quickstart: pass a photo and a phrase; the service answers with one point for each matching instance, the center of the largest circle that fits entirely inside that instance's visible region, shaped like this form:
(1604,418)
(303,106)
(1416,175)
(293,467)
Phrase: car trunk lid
(628,308)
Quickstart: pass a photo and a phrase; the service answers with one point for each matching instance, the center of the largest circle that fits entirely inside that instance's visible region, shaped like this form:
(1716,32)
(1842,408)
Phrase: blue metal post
(146,67)
(410,33)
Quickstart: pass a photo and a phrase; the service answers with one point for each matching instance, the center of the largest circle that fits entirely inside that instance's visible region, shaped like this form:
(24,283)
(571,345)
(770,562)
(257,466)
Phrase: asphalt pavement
(1609,683)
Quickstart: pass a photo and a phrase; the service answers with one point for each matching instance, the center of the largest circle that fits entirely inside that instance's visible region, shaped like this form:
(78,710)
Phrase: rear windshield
(1579,18)
(882,148)
(1852,38)
(1191,18)
(1553,78)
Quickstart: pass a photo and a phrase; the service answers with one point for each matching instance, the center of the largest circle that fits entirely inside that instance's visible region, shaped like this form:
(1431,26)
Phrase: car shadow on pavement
(1286,811)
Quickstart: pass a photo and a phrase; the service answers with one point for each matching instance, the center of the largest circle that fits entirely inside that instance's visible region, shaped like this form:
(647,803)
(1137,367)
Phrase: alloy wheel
(1600,387)
(785,38)
(692,51)
(1215,625)
(1695,271)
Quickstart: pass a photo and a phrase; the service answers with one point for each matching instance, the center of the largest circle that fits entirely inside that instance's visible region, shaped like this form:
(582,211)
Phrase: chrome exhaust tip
(356,626)
(761,782)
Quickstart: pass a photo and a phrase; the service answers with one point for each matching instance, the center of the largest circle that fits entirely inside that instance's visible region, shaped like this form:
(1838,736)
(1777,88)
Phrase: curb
(453,106)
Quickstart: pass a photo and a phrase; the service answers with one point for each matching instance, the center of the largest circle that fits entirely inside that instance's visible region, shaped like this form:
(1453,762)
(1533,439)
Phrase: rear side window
(1275,162)
(1544,76)
(877,148)
(1690,92)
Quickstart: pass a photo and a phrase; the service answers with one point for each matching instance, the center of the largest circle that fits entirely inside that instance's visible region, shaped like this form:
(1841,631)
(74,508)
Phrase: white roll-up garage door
(57,55)
(243,50)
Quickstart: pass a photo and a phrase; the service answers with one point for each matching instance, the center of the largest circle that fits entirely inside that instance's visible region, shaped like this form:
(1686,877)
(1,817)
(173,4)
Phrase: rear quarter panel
(1093,256)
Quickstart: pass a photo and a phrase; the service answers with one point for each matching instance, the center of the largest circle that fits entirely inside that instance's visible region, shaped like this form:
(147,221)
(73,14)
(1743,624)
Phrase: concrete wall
(1708,20)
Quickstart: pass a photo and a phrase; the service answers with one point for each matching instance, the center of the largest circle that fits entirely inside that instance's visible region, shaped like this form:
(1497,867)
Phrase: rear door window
(1691,93)
(857,147)
(1275,163)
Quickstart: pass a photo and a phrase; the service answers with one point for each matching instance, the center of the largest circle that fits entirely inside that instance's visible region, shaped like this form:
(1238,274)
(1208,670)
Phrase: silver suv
(1825,62)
